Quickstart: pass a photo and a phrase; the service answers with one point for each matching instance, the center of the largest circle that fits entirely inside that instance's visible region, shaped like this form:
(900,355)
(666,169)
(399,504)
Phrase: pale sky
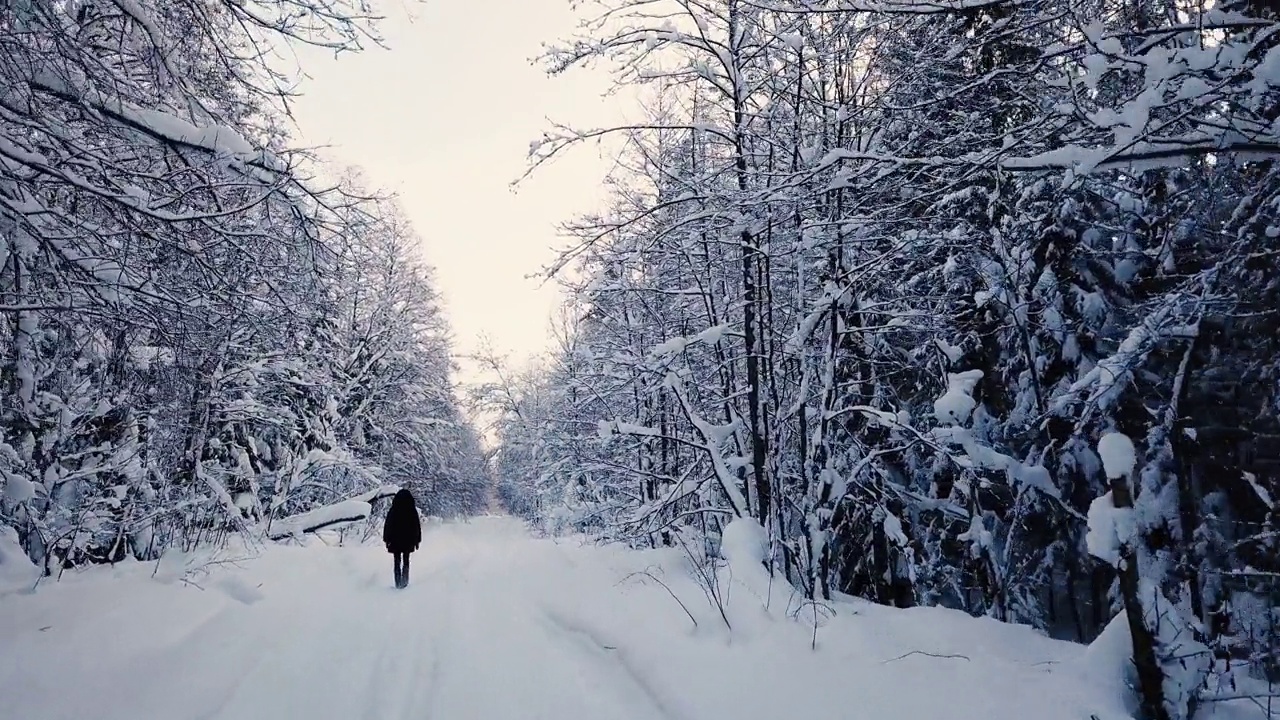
(444,119)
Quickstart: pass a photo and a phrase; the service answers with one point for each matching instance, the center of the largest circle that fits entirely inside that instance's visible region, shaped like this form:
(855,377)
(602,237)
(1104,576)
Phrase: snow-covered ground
(497,624)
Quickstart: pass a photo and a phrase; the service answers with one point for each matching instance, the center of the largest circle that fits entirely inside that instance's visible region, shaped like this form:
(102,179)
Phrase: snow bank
(546,628)
(1108,662)
(744,544)
(17,572)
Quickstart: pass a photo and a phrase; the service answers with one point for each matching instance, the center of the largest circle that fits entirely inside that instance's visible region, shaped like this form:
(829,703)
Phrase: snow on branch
(712,436)
(885,7)
(1106,381)
(385,491)
(168,128)
(1141,156)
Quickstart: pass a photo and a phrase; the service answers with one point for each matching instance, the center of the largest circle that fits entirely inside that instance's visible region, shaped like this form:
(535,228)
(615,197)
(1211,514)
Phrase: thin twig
(654,578)
(921,652)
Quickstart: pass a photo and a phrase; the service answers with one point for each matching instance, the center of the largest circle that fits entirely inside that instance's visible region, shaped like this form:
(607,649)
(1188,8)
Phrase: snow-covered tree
(882,275)
(181,345)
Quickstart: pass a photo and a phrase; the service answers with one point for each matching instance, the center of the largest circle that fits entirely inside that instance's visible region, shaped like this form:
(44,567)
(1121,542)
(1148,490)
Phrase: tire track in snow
(184,664)
(398,687)
(610,658)
(323,651)
(405,681)
(527,667)
(373,709)
(426,691)
(440,615)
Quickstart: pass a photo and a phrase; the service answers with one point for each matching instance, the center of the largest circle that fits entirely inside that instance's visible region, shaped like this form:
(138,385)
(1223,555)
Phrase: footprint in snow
(240,591)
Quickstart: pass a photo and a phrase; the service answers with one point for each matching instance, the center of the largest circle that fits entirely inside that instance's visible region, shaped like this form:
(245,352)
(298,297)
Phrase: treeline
(883,275)
(200,333)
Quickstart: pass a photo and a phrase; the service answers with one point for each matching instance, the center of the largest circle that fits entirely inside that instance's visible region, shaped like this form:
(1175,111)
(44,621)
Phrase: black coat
(402,531)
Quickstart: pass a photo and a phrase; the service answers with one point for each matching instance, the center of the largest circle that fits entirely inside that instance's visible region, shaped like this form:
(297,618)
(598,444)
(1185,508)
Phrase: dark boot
(399,572)
(404,574)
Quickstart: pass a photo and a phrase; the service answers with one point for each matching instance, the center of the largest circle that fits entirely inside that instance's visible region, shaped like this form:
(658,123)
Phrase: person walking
(402,533)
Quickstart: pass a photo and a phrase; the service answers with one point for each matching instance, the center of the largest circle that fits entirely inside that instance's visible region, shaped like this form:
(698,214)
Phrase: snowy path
(499,625)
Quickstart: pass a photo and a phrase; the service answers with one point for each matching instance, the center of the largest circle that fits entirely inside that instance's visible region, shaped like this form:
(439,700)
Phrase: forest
(969,303)
(205,328)
(961,303)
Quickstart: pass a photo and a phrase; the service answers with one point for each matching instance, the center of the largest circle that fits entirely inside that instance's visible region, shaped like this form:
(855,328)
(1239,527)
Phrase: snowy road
(467,639)
(498,625)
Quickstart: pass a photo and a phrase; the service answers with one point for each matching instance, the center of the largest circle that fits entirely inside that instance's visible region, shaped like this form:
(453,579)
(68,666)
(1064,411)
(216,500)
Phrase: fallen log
(385,491)
(346,511)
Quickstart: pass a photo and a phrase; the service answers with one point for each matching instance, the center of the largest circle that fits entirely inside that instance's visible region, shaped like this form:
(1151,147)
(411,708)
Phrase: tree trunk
(750,300)
(1150,676)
